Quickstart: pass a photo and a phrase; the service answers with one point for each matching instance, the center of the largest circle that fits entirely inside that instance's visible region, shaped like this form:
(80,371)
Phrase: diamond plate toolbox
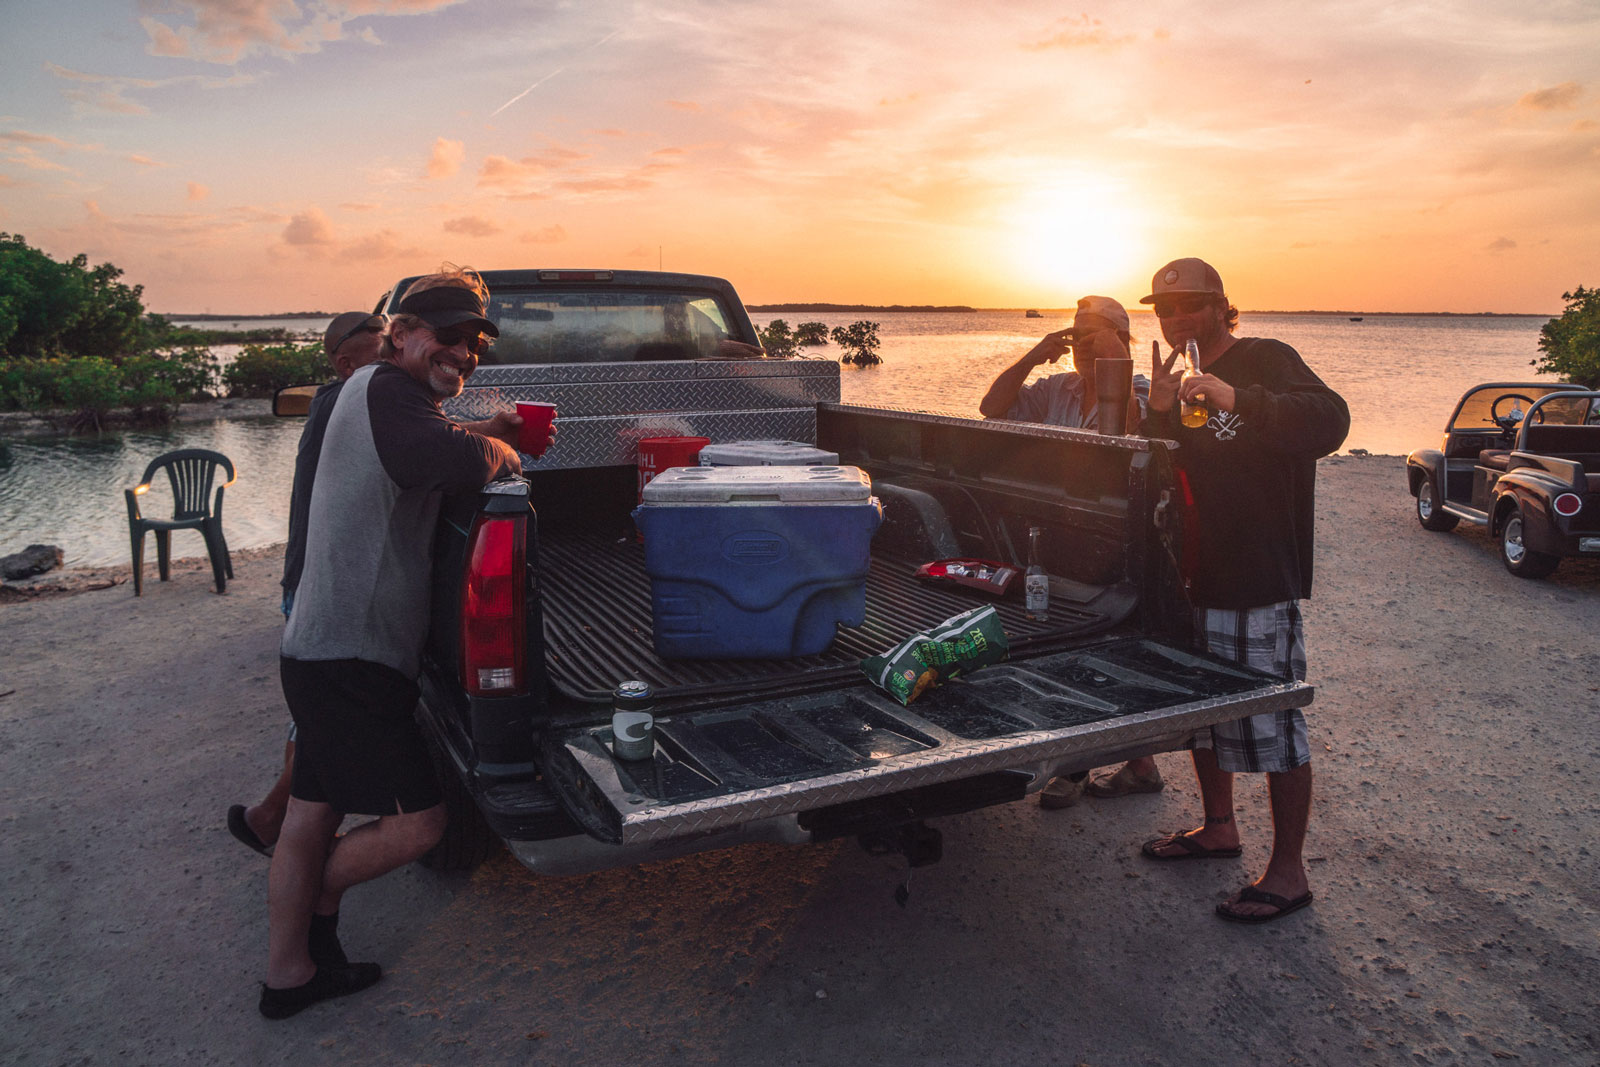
(604,409)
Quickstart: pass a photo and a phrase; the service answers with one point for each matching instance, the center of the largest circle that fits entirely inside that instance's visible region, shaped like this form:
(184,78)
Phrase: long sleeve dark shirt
(1253,473)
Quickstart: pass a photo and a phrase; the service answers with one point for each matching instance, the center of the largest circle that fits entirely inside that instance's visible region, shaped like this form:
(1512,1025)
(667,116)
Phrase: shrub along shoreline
(78,350)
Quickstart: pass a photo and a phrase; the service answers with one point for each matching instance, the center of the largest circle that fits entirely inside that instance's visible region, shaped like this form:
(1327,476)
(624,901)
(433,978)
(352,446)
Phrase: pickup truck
(541,604)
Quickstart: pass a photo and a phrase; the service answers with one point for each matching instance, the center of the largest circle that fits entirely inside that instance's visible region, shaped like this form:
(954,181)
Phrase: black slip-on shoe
(329,982)
(240,829)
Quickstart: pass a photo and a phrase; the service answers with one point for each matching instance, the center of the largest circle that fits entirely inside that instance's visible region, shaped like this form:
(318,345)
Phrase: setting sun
(1075,237)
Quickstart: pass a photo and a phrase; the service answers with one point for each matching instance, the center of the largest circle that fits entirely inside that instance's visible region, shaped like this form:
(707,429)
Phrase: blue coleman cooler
(756,562)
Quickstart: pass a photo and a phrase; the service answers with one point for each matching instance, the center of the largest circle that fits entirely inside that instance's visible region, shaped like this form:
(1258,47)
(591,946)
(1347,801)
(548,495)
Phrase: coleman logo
(1226,423)
(1170,277)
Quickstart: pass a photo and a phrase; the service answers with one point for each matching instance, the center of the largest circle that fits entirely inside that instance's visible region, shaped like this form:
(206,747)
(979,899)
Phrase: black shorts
(359,749)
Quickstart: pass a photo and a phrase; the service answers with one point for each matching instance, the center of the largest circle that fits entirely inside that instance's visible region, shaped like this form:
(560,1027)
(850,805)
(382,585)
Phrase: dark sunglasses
(1187,305)
(365,327)
(476,343)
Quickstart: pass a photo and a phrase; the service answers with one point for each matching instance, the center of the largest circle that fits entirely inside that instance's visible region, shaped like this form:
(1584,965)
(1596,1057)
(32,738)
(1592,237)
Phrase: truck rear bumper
(582,854)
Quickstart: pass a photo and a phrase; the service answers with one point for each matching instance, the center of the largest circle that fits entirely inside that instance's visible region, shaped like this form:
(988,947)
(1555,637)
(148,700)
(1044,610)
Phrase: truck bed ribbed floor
(596,598)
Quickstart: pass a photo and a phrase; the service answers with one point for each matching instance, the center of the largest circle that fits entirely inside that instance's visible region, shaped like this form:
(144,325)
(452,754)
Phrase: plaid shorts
(1271,639)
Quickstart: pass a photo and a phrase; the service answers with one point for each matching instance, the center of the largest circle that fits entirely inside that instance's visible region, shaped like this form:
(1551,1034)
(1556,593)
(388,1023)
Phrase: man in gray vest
(351,651)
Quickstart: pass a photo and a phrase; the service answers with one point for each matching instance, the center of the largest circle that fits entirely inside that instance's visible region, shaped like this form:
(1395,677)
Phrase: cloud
(548,236)
(623,184)
(1500,244)
(358,207)
(108,90)
(499,170)
(472,226)
(310,228)
(168,225)
(610,132)
(1563,97)
(503,171)
(39,138)
(8,182)
(1080,32)
(446,158)
(198,191)
(143,161)
(109,99)
(226,31)
(385,244)
(683,105)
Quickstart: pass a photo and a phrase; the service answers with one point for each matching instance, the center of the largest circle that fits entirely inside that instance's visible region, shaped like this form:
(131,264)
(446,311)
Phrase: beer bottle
(1193,414)
(1035,582)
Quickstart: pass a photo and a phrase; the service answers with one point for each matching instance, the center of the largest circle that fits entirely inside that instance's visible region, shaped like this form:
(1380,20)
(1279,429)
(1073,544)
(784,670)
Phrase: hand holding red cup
(537,427)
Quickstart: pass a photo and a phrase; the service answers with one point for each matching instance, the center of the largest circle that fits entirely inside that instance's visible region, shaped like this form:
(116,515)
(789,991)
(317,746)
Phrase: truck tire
(1519,559)
(1429,513)
(467,839)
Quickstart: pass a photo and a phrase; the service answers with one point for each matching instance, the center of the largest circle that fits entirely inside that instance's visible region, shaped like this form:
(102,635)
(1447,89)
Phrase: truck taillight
(1568,504)
(493,645)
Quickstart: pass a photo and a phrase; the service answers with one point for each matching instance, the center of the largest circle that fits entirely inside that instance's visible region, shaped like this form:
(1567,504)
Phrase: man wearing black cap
(351,341)
(350,654)
(1252,468)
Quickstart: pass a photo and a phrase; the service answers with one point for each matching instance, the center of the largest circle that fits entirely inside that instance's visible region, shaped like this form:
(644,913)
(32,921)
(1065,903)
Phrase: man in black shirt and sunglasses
(1252,467)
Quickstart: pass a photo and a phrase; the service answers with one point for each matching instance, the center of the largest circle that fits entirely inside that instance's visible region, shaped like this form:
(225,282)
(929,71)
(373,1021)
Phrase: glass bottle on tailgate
(1035,582)
(1193,414)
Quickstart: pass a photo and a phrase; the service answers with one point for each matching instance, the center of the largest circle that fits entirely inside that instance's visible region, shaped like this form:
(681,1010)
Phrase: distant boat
(1032,314)
(1355,318)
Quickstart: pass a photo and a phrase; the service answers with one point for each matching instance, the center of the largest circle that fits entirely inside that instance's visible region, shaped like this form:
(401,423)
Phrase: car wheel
(1429,513)
(1519,559)
(467,839)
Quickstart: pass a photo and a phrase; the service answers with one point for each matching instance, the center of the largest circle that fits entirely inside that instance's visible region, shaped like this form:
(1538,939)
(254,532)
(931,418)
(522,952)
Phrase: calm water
(1400,374)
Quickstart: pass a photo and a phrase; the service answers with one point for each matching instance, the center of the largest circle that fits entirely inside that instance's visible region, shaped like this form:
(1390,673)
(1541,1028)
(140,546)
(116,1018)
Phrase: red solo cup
(534,437)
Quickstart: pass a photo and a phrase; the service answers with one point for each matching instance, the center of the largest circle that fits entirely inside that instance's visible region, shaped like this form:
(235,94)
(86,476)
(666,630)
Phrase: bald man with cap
(351,341)
(1252,467)
(1099,330)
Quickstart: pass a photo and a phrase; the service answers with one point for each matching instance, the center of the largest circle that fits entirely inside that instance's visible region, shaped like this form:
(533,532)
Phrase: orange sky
(257,155)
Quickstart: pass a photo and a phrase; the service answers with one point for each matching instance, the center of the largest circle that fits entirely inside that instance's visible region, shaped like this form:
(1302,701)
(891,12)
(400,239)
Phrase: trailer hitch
(922,845)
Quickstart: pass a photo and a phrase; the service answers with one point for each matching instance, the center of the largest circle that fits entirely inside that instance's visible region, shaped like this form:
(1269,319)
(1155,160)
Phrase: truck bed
(596,600)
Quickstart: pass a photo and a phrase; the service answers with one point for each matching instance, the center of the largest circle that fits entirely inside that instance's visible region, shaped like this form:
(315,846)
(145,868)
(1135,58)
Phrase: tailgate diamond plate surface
(630,817)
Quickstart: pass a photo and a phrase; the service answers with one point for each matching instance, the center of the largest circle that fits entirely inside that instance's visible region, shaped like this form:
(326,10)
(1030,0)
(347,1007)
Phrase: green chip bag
(959,645)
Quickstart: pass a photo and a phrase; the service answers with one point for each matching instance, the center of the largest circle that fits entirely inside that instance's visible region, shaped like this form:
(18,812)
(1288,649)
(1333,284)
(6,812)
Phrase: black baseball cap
(444,306)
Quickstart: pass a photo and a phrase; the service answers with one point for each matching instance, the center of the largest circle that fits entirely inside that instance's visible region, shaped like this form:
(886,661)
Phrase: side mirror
(293,400)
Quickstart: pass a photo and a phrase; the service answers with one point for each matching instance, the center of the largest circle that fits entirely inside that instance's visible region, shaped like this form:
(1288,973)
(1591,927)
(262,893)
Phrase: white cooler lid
(759,485)
(766,453)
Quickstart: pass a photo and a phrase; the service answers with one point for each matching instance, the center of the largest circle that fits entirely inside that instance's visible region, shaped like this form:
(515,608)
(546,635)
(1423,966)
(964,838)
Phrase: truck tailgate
(719,767)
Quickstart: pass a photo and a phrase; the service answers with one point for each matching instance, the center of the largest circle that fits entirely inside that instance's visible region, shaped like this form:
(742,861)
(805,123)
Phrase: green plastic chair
(191,470)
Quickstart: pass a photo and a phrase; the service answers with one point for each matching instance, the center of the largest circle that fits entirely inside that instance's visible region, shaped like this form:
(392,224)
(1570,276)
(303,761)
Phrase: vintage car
(1517,458)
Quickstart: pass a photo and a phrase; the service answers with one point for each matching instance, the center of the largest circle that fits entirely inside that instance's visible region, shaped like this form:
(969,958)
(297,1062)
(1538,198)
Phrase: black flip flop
(1192,849)
(1260,896)
(240,829)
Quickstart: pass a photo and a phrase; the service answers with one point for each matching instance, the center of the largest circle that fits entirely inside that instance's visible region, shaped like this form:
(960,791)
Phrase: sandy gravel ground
(1453,857)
